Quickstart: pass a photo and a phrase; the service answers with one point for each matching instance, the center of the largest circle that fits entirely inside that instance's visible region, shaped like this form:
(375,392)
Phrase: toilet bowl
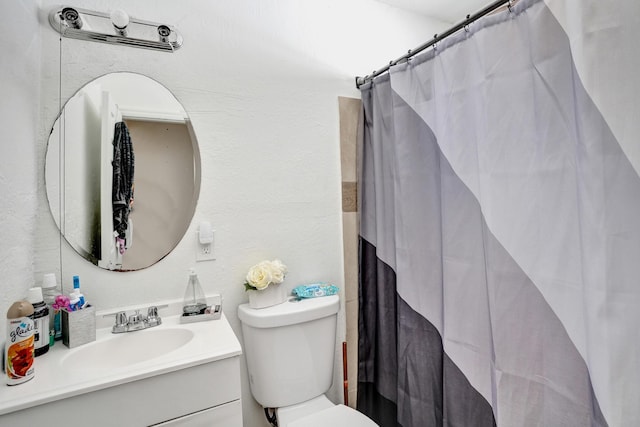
(290,351)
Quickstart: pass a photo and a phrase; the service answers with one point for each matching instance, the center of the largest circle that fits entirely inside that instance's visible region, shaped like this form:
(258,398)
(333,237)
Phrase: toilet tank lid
(289,312)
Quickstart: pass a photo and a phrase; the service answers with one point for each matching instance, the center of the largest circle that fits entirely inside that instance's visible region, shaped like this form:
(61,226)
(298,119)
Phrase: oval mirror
(122,171)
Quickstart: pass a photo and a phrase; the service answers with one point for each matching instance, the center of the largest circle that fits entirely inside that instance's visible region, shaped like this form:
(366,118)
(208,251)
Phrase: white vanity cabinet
(197,384)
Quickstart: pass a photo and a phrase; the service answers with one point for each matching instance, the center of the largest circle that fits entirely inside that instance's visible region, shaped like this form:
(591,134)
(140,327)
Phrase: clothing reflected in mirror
(122,185)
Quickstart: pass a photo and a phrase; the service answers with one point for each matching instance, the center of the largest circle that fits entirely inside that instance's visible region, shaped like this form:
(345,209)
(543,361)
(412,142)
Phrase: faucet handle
(152,316)
(121,318)
(152,311)
(121,322)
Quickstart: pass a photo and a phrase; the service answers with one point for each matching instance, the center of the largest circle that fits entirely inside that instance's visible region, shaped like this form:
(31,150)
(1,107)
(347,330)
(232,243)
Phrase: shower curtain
(500,228)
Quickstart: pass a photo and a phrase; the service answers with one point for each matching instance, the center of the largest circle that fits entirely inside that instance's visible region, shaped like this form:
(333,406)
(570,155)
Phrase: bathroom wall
(260,82)
(20,77)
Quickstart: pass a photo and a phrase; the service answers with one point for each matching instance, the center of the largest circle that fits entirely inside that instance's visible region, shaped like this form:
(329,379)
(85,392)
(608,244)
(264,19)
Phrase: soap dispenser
(194,300)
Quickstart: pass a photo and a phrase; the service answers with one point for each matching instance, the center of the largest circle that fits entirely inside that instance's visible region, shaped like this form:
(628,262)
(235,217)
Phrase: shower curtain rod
(436,38)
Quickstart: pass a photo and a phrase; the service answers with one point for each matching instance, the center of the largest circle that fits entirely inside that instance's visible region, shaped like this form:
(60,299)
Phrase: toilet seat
(335,416)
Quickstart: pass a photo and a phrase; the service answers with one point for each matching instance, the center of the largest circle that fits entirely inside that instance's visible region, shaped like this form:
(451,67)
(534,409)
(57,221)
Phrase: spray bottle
(19,348)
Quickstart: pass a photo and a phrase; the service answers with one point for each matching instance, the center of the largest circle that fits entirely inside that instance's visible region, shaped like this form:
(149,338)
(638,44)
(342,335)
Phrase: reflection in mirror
(89,154)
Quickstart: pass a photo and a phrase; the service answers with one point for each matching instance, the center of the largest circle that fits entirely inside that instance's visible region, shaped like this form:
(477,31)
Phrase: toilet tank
(290,349)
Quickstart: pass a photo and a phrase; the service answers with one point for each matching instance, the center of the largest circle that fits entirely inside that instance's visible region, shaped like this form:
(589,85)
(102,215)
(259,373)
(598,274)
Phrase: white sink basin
(121,350)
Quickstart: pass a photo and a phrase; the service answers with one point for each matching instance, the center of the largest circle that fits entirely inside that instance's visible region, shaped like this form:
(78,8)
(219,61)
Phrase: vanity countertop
(212,340)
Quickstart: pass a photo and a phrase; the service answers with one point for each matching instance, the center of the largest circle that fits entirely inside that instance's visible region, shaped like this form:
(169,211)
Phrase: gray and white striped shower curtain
(500,225)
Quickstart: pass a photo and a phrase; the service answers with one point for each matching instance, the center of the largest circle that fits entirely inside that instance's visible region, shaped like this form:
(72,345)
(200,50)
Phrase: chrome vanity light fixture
(114,28)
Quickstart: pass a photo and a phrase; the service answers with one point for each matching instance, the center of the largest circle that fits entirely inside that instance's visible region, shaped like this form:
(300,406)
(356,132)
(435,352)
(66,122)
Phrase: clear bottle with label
(40,321)
(18,356)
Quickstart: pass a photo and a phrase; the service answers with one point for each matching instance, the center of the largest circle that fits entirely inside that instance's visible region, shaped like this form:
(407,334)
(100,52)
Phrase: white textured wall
(260,81)
(20,77)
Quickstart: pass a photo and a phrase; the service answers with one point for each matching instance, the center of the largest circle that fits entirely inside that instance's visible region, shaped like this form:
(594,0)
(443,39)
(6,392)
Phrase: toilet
(290,351)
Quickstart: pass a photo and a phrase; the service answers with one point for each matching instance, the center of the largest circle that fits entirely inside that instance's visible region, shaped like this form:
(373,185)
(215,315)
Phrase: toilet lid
(336,416)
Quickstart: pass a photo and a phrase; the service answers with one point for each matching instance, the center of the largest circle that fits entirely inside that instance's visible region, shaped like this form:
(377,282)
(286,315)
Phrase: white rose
(278,270)
(260,275)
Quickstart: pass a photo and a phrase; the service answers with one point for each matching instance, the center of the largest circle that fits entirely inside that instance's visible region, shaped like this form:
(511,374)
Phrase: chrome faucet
(135,321)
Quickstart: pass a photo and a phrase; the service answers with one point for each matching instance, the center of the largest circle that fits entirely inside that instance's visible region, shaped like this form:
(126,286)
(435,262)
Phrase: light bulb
(120,19)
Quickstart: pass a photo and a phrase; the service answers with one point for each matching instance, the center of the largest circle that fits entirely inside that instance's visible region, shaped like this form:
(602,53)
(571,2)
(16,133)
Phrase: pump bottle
(194,300)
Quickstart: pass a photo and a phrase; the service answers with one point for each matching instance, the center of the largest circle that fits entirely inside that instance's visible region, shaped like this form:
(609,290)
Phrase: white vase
(272,295)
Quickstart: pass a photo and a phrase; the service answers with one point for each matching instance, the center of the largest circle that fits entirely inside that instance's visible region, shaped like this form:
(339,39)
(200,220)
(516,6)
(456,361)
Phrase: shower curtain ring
(510,6)
(466,26)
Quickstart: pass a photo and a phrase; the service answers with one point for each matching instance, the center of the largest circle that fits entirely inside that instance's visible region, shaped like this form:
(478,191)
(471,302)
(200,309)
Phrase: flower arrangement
(265,273)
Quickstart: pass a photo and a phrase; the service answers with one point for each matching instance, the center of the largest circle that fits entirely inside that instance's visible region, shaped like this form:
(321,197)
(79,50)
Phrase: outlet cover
(204,251)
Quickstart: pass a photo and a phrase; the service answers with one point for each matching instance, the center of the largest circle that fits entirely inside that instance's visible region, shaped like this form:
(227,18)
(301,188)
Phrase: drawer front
(227,415)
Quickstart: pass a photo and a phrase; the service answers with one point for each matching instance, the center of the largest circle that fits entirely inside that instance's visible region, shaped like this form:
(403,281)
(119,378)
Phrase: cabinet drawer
(227,415)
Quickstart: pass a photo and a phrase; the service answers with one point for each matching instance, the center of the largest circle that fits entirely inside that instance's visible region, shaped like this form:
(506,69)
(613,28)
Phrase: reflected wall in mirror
(87,158)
